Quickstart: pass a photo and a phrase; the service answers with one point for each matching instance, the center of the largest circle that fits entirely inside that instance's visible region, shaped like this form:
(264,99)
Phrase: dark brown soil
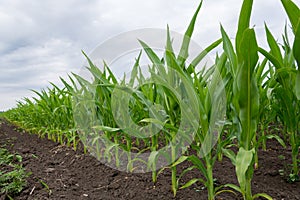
(73,175)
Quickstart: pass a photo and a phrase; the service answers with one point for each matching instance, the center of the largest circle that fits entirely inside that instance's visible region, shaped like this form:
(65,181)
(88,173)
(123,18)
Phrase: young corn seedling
(212,103)
(245,99)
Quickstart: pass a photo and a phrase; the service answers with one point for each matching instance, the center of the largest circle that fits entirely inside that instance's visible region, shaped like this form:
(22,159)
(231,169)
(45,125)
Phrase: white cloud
(42,40)
(33,67)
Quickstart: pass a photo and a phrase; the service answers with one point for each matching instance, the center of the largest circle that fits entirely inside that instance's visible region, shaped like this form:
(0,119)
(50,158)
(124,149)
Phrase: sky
(41,41)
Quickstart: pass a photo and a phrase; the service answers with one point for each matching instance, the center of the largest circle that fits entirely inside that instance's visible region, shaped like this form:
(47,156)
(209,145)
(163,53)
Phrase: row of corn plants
(48,114)
(141,124)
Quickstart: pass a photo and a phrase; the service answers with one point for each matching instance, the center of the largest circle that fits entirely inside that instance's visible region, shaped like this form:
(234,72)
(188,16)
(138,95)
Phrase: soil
(70,174)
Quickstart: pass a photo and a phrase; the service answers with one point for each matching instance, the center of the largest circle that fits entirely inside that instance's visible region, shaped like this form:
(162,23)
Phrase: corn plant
(245,99)
(210,88)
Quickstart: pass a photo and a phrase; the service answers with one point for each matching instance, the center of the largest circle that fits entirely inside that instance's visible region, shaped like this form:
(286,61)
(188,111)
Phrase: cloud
(42,40)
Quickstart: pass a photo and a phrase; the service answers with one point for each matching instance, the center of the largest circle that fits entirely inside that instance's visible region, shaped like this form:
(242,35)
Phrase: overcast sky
(42,40)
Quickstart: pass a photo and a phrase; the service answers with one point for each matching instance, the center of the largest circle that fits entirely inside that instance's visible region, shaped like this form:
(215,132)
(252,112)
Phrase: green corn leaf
(270,57)
(106,128)
(186,171)
(297,85)
(219,191)
(293,13)
(248,49)
(152,158)
(296,46)
(172,63)
(73,83)
(153,120)
(84,83)
(169,46)
(202,54)
(39,94)
(170,56)
(230,154)
(97,73)
(228,48)
(56,87)
(154,58)
(183,54)
(260,76)
(134,71)
(179,161)
(262,195)
(245,88)
(244,22)
(91,64)
(199,164)
(189,183)
(286,101)
(243,161)
(69,87)
(111,75)
(275,50)
(272,136)
(284,71)
(232,186)
(151,54)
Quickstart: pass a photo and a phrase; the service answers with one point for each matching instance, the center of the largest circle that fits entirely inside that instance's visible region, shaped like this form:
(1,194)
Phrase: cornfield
(178,114)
